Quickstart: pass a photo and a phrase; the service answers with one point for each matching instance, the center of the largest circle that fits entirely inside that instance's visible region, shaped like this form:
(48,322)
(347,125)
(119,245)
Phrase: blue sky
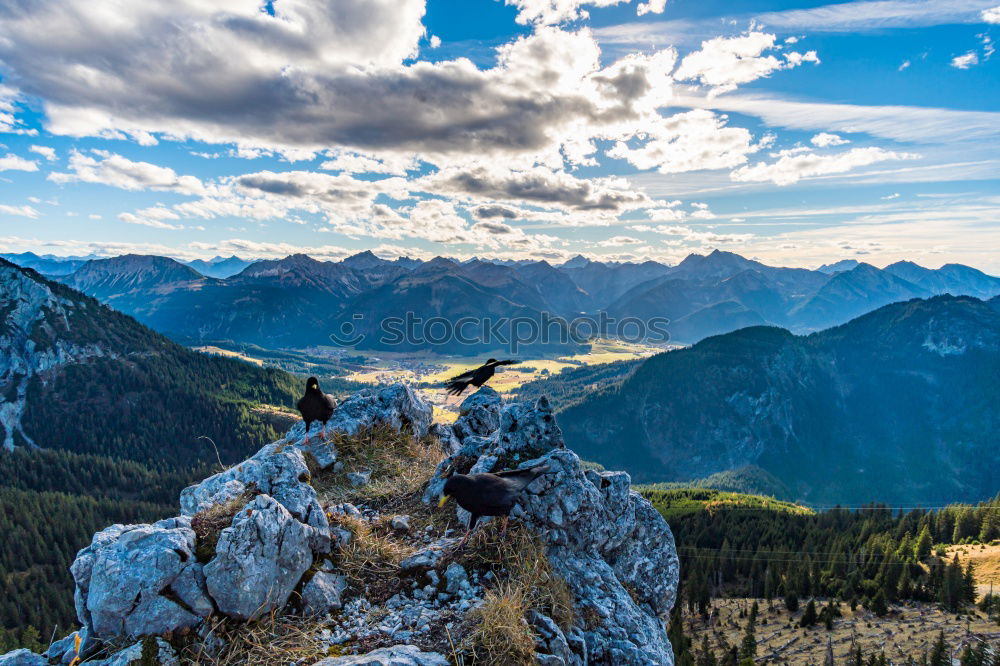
(798,133)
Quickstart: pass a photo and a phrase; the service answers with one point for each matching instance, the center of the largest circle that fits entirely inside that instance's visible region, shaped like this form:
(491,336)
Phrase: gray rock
(322,593)
(428,558)
(276,470)
(397,655)
(479,414)
(22,657)
(259,560)
(400,523)
(455,578)
(444,433)
(132,654)
(551,641)
(601,537)
(361,478)
(396,405)
(134,580)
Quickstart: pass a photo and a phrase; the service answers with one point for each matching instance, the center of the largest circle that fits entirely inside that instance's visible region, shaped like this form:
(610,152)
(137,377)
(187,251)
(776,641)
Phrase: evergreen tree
(792,602)
(939,655)
(809,617)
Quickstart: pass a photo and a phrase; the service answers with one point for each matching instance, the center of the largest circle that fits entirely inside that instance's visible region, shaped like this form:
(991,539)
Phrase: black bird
(489,494)
(316,406)
(476,377)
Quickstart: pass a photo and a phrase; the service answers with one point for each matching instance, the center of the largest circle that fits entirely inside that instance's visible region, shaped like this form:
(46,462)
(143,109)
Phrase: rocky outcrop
(396,405)
(613,550)
(276,470)
(259,560)
(609,544)
(22,657)
(134,580)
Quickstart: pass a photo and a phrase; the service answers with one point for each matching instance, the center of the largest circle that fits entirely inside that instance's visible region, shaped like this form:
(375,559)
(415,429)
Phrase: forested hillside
(900,405)
(109,421)
(749,546)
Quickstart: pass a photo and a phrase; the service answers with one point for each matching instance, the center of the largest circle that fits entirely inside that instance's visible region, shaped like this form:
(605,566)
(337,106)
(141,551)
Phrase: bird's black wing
(329,404)
(303,405)
(459,383)
(518,479)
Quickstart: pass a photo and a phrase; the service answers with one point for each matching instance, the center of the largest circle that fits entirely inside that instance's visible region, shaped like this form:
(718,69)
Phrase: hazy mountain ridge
(300,301)
(897,405)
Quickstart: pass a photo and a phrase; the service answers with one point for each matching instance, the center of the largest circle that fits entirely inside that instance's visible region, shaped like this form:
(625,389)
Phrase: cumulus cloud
(965,61)
(651,7)
(45,151)
(725,62)
(549,12)
(618,241)
(18,211)
(154,220)
(689,141)
(991,15)
(824,139)
(107,168)
(11,162)
(495,211)
(538,185)
(790,168)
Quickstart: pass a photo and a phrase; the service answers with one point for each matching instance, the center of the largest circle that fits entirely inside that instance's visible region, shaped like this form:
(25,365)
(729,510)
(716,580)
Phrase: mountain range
(899,405)
(299,301)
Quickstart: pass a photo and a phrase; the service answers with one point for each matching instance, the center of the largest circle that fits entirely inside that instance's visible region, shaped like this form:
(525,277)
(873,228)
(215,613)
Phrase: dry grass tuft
(370,561)
(500,635)
(209,523)
(400,465)
(519,559)
(274,640)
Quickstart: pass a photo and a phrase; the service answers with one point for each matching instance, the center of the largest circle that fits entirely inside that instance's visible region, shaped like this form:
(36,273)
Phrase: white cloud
(991,15)
(538,186)
(651,7)
(550,12)
(617,241)
(874,15)
(899,123)
(825,139)
(434,41)
(965,61)
(690,141)
(792,168)
(11,162)
(352,162)
(903,65)
(130,218)
(117,171)
(19,211)
(45,151)
(725,62)
(890,197)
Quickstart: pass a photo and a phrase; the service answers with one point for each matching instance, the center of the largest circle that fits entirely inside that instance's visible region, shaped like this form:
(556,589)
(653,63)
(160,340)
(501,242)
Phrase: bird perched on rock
(489,494)
(316,406)
(476,377)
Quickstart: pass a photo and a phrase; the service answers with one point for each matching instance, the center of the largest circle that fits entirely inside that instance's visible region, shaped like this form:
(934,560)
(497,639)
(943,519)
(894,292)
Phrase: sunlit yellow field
(426,368)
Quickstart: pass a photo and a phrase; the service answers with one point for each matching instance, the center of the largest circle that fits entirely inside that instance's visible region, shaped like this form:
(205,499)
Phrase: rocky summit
(335,553)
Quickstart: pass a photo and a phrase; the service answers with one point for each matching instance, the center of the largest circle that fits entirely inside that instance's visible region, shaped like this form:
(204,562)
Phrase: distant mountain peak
(579,261)
(364,260)
(838,266)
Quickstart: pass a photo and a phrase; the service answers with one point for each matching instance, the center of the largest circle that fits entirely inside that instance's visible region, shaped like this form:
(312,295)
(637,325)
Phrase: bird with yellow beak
(488,494)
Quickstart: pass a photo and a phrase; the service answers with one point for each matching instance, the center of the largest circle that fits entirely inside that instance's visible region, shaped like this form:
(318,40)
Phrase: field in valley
(985,559)
(906,632)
